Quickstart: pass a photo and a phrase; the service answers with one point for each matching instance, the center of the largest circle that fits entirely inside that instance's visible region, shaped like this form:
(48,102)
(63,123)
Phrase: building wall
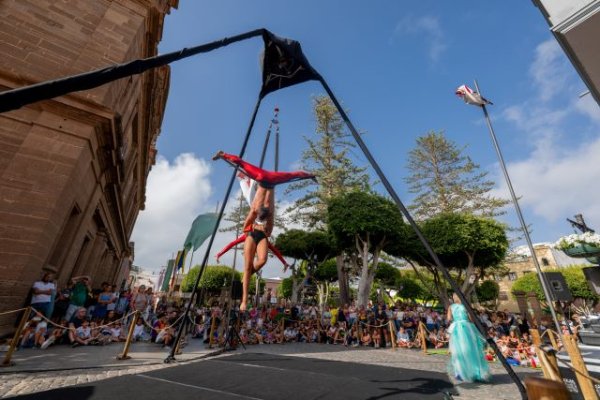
(73,169)
(521,265)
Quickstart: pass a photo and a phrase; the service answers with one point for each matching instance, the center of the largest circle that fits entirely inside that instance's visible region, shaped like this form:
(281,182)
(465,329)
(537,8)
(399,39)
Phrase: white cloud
(559,183)
(549,70)
(559,176)
(176,193)
(427,26)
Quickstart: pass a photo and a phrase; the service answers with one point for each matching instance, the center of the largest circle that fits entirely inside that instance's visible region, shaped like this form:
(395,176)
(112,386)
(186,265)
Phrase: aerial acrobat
(258,225)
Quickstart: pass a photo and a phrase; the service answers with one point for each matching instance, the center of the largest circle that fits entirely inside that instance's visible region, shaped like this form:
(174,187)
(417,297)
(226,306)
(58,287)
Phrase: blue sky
(394,66)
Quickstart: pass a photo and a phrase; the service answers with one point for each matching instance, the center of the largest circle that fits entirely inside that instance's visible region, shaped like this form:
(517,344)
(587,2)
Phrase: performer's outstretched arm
(278,254)
(230,245)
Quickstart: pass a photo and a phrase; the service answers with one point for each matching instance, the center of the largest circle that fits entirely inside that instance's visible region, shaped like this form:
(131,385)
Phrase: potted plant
(583,245)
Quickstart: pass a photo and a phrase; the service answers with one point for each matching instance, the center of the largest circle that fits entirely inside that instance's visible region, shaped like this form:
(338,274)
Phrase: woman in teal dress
(466,346)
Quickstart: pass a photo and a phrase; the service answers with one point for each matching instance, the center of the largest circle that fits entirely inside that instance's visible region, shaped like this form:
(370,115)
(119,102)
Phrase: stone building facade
(520,263)
(73,169)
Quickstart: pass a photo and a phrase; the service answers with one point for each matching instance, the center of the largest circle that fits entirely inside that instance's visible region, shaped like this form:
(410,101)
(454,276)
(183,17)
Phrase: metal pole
(520,215)
(124,356)
(16,98)
(432,254)
(14,343)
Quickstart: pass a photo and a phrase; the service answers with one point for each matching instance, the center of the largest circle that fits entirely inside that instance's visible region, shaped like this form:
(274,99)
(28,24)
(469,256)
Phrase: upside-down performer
(258,225)
(466,346)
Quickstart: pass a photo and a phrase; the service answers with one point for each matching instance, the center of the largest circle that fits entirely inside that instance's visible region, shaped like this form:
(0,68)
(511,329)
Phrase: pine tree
(236,216)
(444,179)
(328,158)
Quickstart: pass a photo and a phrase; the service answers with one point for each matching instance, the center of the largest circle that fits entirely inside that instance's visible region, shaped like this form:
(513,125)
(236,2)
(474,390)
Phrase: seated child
(402,338)
(366,339)
(83,334)
(117,334)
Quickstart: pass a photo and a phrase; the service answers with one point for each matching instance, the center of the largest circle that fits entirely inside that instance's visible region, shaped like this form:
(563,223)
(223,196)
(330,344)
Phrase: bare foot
(218,155)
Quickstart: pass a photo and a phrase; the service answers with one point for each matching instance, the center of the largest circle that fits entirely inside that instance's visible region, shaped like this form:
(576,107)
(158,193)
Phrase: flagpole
(515,201)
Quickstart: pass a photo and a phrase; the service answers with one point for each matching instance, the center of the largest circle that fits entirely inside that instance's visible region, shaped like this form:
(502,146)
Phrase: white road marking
(200,387)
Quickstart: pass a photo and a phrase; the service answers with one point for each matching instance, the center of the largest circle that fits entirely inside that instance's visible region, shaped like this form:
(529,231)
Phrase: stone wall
(519,266)
(73,169)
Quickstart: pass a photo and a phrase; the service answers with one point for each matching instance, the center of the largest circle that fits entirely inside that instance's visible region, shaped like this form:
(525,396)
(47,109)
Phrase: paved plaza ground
(290,371)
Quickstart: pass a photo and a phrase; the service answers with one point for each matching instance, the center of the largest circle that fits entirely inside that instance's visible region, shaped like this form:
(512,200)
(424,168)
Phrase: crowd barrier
(30,312)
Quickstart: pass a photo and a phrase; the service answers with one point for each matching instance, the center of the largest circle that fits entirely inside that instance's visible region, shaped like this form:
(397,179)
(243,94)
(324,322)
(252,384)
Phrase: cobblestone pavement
(17,383)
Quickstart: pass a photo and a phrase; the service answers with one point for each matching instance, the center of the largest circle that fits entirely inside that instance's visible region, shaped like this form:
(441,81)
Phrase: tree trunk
(467,286)
(342,280)
(440,287)
(367,274)
(296,283)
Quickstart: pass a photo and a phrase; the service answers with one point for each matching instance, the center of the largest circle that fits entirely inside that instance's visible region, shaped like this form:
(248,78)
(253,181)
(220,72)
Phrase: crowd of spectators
(375,326)
(79,315)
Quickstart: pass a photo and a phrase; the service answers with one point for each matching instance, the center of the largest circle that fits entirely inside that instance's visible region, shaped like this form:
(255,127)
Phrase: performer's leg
(263,176)
(262,249)
(249,253)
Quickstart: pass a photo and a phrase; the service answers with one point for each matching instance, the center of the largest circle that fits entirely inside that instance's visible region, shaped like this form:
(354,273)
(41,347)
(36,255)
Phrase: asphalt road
(264,377)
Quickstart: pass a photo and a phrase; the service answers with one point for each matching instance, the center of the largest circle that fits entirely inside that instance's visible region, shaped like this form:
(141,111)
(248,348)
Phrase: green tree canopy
(326,271)
(285,288)
(469,244)
(365,224)
(487,291)
(387,275)
(409,288)
(574,277)
(362,217)
(214,278)
(305,245)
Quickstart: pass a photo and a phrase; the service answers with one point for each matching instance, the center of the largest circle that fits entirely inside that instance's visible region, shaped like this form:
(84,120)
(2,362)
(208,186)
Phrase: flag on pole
(180,260)
(201,229)
(248,187)
(471,97)
(166,284)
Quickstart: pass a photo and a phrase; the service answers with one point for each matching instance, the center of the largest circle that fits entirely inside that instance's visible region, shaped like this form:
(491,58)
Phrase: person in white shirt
(42,291)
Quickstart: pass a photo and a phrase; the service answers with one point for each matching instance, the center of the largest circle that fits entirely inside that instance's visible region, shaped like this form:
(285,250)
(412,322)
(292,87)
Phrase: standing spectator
(41,298)
(79,295)
(151,304)
(123,303)
(105,297)
(352,314)
(62,301)
(139,300)
(113,301)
